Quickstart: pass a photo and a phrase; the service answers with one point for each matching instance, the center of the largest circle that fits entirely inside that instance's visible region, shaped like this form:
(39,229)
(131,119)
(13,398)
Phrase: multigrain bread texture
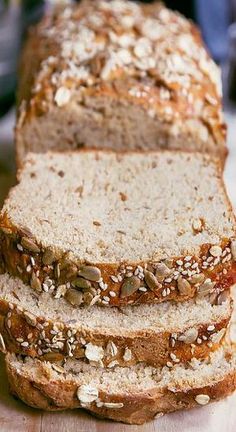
(120,75)
(162,334)
(118,229)
(132,395)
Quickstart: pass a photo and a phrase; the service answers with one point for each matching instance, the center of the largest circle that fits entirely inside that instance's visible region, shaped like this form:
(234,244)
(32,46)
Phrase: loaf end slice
(151,88)
(132,395)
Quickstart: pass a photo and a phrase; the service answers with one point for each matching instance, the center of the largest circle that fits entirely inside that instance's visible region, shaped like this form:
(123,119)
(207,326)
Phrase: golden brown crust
(22,332)
(188,105)
(137,408)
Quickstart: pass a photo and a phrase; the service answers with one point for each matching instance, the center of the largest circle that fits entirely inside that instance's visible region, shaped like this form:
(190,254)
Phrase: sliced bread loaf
(132,394)
(118,229)
(120,75)
(159,334)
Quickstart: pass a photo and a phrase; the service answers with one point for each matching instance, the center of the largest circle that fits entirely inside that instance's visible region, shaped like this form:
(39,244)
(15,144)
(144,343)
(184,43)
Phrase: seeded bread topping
(102,253)
(97,59)
(165,334)
(130,394)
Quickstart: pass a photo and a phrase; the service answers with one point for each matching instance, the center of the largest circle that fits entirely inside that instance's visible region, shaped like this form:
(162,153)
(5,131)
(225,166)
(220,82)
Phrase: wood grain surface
(17,417)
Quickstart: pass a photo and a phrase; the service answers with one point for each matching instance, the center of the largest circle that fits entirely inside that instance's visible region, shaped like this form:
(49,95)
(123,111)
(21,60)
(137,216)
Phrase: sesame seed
(211,328)
(114,279)
(143,289)
(19,247)
(112,293)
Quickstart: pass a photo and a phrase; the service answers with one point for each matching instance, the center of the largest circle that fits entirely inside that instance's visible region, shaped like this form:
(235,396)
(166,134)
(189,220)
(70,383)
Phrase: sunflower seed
(112,405)
(35,283)
(184,286)
(30,245)
(202,399)
(91,273)
(233,249)
(87,394)
(162,271)
(2,344)
(111,349)
(74,297)
(189,336)
(48,257)
(30,318)
(151,280)
(216,337)
(81,283)
(215,251)
(130,286)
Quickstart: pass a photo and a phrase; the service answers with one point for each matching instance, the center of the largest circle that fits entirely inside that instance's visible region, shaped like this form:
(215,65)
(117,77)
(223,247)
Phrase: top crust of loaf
(100,58)
(134,207)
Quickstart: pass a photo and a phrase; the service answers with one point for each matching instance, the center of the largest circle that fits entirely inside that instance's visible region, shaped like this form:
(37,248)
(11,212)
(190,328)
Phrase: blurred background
(216,18)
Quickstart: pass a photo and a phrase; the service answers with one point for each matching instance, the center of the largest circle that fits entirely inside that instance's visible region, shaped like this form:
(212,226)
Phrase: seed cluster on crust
(207,275)
(159,54)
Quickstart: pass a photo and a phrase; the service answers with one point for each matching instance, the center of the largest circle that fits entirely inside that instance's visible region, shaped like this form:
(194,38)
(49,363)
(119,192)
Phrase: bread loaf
(118,75)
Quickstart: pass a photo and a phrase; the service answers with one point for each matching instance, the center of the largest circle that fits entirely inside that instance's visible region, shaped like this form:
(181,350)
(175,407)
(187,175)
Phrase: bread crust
(53,395)
(174,104)
(23,332)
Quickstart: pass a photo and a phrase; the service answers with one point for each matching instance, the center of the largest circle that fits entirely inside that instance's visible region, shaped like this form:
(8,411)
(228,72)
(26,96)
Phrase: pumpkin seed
(91,273)
(151,280)
(35,283)
(48,257)
(81,283)
(53,357)
(88,297)
(30,245)
(206,288)
(184,286)
(130,286)
(197,278)
(189,336)
(162,271)
(74,297)
(222,297)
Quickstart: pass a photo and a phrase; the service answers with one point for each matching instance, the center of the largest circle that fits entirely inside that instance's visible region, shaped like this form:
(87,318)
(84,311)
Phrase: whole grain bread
(160,334)
(120,75)
(132,395)
(118,229)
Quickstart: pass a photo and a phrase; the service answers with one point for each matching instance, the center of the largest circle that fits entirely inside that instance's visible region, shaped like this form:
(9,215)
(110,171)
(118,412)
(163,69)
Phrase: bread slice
(120,229)
(132,394)
(161,334)
(120,75)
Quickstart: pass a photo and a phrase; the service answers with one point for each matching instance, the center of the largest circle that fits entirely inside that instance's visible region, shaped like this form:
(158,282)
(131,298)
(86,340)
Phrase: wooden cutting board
(17,417)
